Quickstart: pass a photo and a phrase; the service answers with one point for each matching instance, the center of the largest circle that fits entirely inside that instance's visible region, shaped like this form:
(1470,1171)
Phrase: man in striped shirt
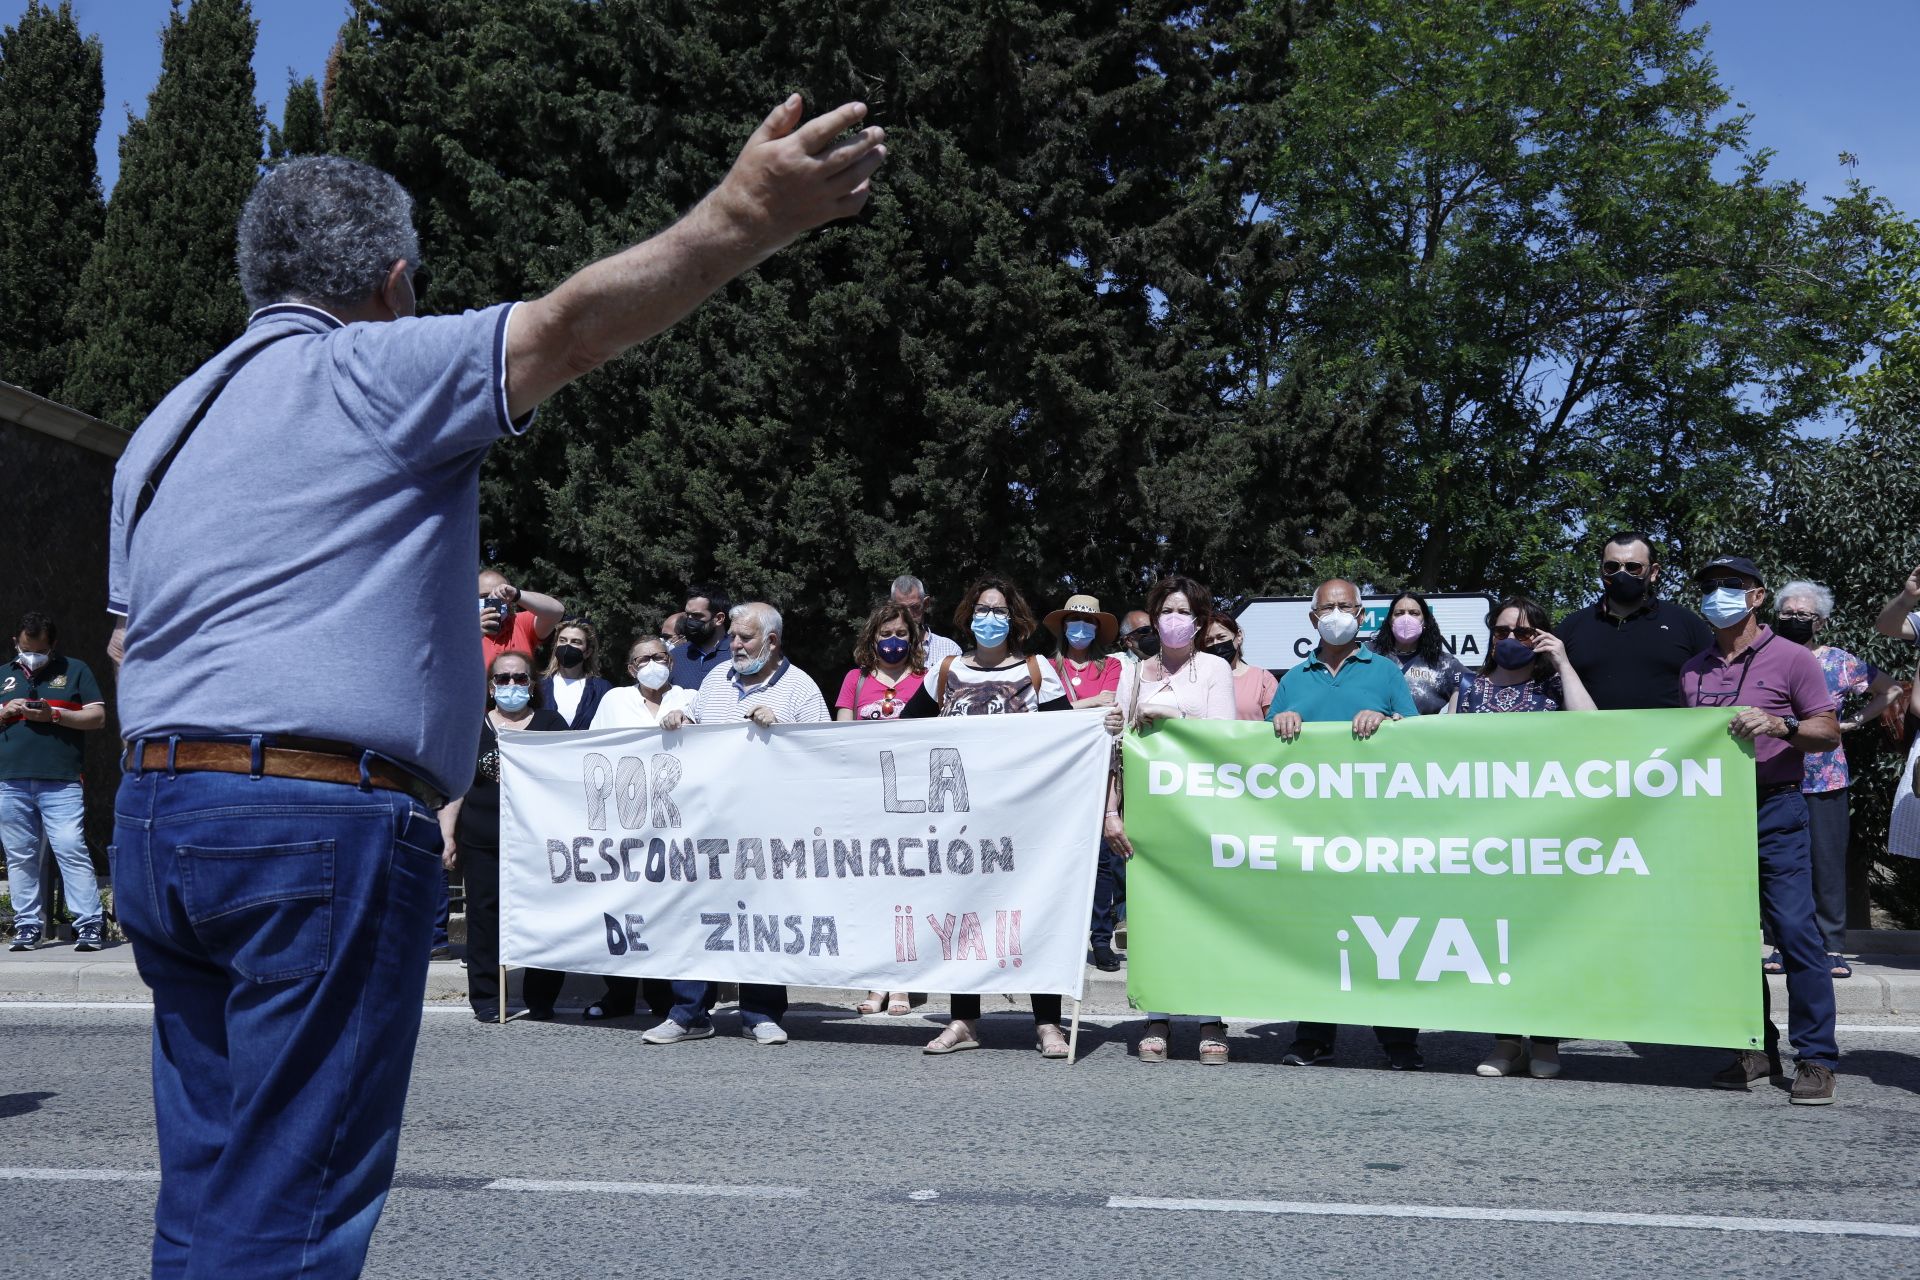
(757,684)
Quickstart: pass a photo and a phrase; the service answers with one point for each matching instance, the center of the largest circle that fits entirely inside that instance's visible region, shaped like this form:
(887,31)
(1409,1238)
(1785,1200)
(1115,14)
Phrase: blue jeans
(283,928)
(759,1002)
(1786,899)
(27,809)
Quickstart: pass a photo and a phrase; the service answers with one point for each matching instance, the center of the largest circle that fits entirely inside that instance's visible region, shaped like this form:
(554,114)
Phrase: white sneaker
(768,1033)
(671,1032)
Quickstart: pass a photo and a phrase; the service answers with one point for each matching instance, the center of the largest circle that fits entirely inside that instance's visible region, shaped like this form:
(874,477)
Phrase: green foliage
(50,208)
(1026,354)
(1511,216)
(303,124)
(161,293)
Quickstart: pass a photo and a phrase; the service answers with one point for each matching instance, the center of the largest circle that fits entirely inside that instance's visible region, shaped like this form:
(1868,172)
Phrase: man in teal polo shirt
(47,701)
(1343,680)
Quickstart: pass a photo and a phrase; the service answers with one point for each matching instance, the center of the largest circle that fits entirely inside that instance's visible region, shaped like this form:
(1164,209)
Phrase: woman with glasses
(1526,669)
(1412,638)
(994,675)
(1180,682)
(1801,616)
(470,830)
(652,701)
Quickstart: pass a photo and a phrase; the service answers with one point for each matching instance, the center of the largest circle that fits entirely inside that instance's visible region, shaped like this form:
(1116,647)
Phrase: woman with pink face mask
(1412,638)
(1181,682)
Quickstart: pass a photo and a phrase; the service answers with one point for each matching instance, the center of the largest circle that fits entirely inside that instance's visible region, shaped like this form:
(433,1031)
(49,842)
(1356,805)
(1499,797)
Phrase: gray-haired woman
(1802,615)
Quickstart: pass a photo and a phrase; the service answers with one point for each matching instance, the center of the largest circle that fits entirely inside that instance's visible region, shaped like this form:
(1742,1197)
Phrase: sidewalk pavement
(1885,981)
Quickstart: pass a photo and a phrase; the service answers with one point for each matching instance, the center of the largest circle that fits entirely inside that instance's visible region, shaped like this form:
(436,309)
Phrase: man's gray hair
(1799,588)
(324,230)
(908,585)
(765,614)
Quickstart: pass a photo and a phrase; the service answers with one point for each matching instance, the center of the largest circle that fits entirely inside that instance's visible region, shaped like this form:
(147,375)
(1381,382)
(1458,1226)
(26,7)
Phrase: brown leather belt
(284,762)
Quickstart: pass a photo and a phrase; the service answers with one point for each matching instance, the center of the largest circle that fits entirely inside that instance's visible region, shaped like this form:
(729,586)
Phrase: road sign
(1278,635)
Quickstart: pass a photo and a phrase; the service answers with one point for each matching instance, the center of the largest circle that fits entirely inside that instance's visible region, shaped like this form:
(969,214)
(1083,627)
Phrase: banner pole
(1073,1036)
(503,995)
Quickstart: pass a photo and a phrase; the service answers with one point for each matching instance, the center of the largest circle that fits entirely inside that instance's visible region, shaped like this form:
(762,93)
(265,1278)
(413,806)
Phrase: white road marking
(923,1195)
(79,1175)
(1553,1217)
(646,1188)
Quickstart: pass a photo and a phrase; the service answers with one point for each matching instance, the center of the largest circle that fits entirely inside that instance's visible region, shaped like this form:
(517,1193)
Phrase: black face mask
(1223,651)
(694,630)
(569,655)
(1798,630)
(1625,588)
(1145,641)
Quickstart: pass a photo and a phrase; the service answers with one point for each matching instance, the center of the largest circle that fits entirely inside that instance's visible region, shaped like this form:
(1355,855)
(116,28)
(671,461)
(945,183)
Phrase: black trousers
(622,996)
(1109,891)
(538,987)
(1045,1008)
(1322,1033)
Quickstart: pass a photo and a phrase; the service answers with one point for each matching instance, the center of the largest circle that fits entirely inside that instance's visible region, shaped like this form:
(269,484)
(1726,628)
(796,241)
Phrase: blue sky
(1819,79)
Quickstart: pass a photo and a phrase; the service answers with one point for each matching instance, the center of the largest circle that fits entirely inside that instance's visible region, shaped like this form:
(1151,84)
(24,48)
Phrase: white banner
(947,855)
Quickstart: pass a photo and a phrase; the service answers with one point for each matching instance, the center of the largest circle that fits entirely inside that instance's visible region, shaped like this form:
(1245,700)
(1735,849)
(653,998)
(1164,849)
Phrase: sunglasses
(1726,584)
(1631,567)
(1518,633)
(507,678)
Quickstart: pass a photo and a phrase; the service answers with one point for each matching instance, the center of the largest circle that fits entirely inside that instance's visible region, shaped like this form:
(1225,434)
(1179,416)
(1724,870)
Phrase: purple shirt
(1772,675)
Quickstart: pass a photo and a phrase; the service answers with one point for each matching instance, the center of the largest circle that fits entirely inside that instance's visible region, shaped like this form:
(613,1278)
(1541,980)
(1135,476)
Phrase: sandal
(1839,967)
(899,1005)
(875,1001)
(1213,1047)
(1053,1041)
(1153,1045)
(957,1037)
(1774,963)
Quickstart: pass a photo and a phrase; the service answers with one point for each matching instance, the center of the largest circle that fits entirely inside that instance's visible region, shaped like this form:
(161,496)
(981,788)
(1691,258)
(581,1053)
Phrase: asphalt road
(848,1153)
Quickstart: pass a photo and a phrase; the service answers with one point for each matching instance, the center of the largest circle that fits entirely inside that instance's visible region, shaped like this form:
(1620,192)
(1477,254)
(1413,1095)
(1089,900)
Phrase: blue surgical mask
(891,649)
(512,697)
(1724,607)
(990,629)
(750,666)
(1080,634)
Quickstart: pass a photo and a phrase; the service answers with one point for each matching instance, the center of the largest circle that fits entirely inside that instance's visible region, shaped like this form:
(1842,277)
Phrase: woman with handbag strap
(994,676)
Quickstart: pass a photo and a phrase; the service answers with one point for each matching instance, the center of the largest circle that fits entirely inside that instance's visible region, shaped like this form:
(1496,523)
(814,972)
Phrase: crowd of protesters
(1180,656)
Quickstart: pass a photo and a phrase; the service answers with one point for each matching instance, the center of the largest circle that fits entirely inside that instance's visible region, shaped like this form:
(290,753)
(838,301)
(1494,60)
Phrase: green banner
(1580,874)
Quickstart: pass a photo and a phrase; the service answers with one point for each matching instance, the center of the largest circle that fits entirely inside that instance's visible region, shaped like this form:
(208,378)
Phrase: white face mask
(32,661)
(1338,628)
(653,675)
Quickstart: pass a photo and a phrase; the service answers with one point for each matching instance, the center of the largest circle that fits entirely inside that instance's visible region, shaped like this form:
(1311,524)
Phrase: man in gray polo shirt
(275,848)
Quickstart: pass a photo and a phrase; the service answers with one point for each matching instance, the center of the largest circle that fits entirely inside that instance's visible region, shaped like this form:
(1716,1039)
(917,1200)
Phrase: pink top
(1084,680)
(1202,688)
(877,701)
(1253,690)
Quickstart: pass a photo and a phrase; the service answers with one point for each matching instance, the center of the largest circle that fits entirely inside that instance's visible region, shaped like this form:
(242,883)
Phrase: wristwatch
(1793,726)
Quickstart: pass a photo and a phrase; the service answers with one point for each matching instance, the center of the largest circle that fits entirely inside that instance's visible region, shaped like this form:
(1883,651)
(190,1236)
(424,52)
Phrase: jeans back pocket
(267,911)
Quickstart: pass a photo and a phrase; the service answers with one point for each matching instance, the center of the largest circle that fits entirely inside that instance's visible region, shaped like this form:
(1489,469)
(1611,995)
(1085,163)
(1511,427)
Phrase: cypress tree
(162,293)
(303,124)
(51,96)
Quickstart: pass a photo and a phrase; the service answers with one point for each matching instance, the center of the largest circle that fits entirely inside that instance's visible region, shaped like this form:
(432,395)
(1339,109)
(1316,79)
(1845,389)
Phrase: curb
(1881,986)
